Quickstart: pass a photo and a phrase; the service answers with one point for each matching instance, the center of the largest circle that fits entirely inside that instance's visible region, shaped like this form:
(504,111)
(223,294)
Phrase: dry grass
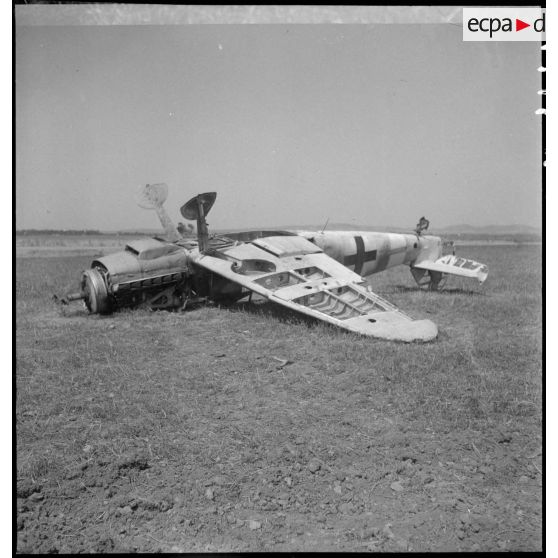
(200,392)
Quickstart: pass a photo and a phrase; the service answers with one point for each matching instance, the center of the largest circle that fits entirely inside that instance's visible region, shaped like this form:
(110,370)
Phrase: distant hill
(329,227)
(87,232)
(490,229)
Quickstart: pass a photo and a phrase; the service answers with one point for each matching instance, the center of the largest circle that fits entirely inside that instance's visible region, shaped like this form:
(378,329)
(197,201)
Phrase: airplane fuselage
(366,252)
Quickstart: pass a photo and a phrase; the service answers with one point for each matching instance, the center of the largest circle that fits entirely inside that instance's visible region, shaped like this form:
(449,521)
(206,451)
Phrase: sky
(290,125)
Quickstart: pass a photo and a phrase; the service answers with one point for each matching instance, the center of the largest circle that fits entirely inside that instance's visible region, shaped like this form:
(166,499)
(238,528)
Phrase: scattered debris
(282,361)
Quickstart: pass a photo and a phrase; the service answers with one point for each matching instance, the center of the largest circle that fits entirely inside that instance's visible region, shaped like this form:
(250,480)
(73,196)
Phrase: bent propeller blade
(153,196)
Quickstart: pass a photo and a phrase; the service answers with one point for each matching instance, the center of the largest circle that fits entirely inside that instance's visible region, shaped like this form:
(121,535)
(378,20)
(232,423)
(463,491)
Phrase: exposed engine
(148,271)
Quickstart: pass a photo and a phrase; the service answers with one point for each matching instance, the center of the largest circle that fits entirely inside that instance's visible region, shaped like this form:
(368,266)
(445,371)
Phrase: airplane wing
(454,265)
(295,273)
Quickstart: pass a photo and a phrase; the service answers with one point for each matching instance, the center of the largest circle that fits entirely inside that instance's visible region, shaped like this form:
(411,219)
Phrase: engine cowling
(148,271)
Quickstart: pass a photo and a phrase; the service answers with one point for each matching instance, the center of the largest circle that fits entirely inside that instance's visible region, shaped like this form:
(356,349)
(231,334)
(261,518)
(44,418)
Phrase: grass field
(148,431)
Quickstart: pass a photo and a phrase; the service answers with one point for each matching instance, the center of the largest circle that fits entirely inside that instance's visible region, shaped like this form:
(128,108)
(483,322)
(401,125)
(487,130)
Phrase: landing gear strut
(429,280)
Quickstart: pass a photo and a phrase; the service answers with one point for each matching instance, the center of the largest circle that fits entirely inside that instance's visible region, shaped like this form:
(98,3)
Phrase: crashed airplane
(316,274)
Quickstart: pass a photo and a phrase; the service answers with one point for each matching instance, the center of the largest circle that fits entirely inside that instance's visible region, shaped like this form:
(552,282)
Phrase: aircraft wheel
(429,280)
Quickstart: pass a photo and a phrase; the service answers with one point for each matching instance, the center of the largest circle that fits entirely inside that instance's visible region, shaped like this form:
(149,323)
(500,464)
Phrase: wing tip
(394,326)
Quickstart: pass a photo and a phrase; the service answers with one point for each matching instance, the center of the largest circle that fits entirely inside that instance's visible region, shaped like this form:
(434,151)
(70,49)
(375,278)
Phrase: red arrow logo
(519,25)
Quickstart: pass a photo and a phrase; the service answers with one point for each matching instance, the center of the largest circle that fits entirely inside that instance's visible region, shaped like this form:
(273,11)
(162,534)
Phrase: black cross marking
(360,257)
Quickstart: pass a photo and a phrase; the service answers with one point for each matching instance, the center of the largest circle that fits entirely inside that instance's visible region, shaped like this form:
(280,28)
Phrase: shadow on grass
(274,311)
(284,315)
(451,291)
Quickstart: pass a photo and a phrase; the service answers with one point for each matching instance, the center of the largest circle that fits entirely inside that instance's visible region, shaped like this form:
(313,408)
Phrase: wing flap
(314,284)
(454,265)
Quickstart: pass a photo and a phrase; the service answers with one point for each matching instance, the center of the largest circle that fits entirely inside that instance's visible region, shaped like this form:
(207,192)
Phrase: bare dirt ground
(157,431)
